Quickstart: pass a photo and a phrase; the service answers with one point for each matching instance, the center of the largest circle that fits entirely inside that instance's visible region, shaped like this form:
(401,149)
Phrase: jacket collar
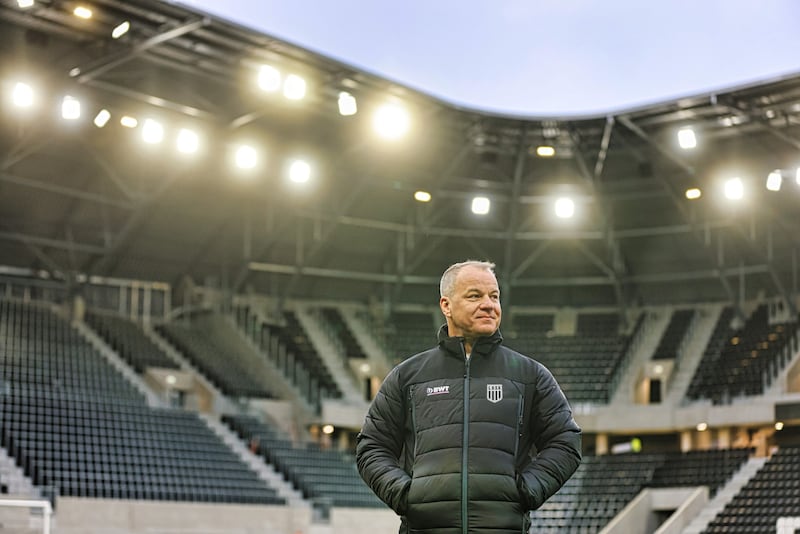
(454,345)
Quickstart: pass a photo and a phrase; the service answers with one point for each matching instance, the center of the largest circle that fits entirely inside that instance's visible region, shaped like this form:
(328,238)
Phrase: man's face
(473,310)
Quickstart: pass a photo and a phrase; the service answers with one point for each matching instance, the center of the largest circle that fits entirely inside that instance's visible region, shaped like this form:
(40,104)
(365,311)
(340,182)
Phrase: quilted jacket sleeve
(558,441)
(380,445)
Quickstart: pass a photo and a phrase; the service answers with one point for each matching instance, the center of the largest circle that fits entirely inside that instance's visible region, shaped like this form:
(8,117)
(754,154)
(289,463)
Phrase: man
(448,440)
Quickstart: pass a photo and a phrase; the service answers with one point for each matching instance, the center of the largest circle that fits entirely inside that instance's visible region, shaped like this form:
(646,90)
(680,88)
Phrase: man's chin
(486,330)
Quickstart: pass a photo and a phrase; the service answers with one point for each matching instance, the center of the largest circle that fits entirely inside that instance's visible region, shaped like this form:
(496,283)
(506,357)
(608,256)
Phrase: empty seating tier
(129,340)
(333,317)
(673,336)
(772,493)
(94,447)
(237,371)
(583,365)
(410,332)
(742,362)
(604,485)
(325,476)
(38,347)
(74,424)
(709,468)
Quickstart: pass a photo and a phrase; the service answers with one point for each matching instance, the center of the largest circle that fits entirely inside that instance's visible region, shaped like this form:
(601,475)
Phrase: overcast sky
(536,57)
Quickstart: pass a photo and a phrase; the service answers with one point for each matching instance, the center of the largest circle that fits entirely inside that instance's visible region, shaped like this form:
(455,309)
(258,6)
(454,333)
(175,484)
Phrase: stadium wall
(105,516)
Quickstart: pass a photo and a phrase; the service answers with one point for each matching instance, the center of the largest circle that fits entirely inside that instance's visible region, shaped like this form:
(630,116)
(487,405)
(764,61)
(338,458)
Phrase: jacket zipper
(520,416)
(520,413)
(465,447)
(413,426)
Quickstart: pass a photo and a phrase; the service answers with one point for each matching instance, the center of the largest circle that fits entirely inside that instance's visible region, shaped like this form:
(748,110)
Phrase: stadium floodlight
(246,157)
(774,180)
(347,104)
(734,189)
(187,141)
(693,193)
(129,122)
(120,30)
(422,196)
(481,205)
(391,121)
(82,12)
(299,171)
(294,87)
(102,118)
(70,108)
(564,208)
(24,4)
(269,78)
(686,138)
(702,427)
(545,151)
(152,132)
(22,95)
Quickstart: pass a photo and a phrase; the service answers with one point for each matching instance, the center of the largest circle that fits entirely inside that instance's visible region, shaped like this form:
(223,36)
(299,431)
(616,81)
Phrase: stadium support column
(601,444)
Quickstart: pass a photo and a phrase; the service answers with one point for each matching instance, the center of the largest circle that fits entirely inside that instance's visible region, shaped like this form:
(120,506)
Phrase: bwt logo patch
(438,390)
(494,392)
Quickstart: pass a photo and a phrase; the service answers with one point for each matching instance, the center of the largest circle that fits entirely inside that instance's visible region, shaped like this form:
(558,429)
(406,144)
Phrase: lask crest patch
(494,392)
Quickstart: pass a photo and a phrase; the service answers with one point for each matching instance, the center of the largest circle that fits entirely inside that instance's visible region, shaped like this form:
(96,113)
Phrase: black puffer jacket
(447,441)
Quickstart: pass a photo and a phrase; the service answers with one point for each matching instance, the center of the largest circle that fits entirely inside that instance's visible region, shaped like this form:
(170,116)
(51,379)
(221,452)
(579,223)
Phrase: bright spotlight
(480,205)
(269,78)
(294,88)
(391,121)
(22,95)
(246,157)
(734,189)
(102,118)
(779,425)
(702,427)
(70,108)
(188,142)
(545,151)
(327,429)
(347,104)
(129,122)
(120,30)
(693,193)
(24,4)
(82,12)
(152,132)
(774,180)
(565,208)
(686,138)
(299,171)
(422,196)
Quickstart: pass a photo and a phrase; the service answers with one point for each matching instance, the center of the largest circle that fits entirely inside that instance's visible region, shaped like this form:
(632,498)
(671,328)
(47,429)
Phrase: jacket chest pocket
(497,407)
(436,404)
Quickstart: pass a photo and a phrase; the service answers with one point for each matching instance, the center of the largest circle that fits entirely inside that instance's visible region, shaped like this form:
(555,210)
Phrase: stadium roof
(76,198)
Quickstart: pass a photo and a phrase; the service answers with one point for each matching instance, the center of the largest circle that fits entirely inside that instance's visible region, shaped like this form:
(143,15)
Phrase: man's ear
(444,305)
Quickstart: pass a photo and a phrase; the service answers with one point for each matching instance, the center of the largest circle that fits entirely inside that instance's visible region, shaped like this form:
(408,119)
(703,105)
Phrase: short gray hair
(448,282)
